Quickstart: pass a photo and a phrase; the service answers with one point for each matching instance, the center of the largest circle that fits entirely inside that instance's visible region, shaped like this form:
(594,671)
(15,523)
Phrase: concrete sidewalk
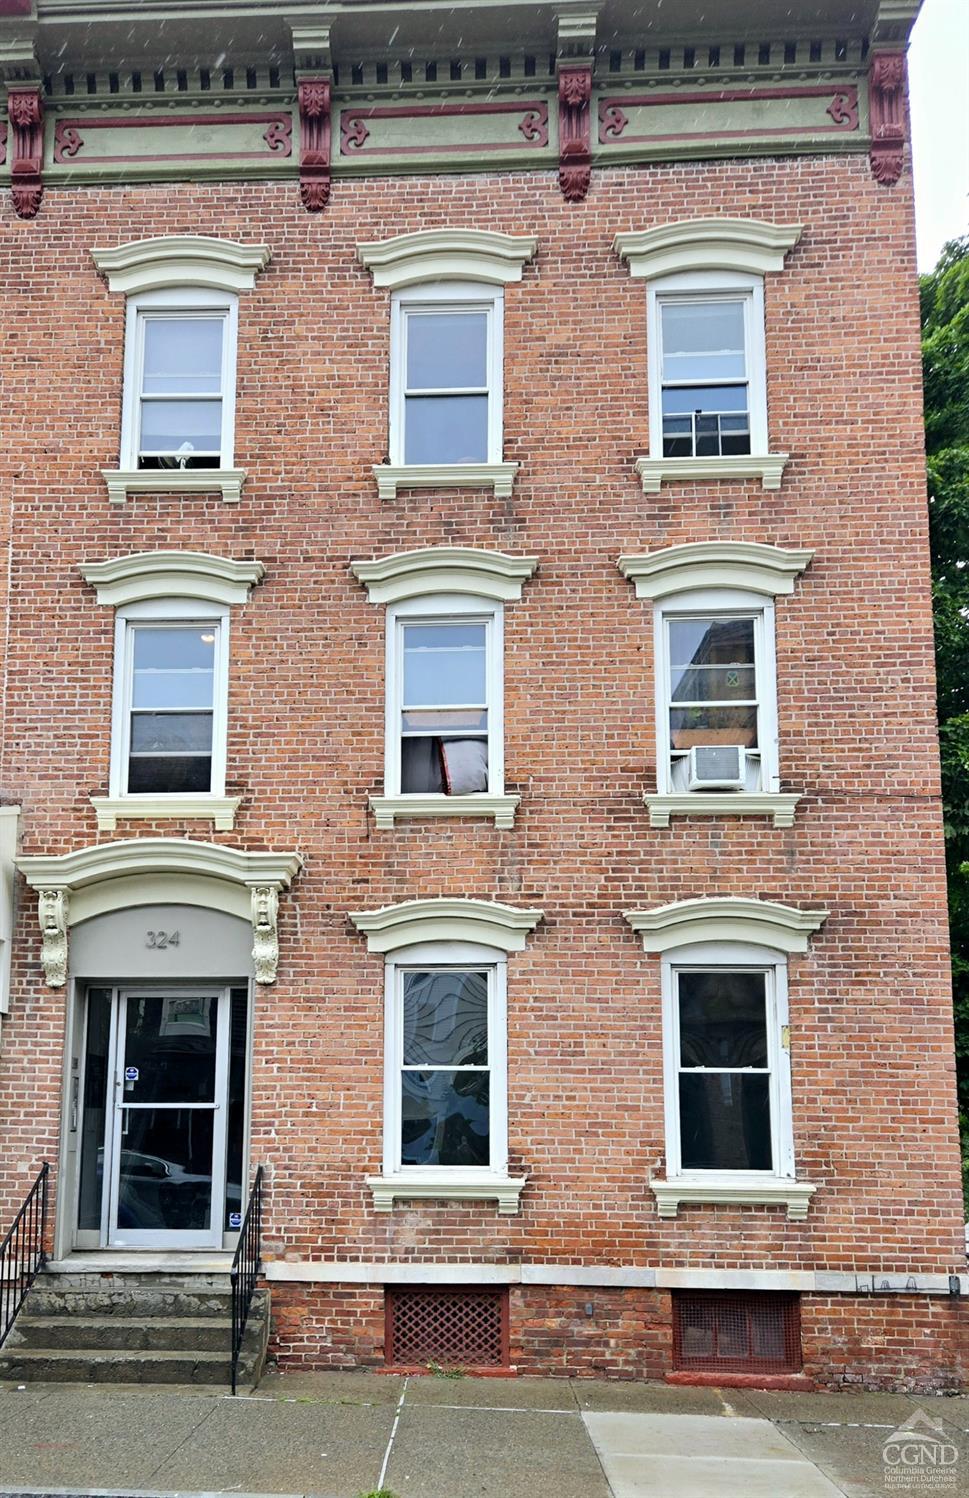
(340,1435)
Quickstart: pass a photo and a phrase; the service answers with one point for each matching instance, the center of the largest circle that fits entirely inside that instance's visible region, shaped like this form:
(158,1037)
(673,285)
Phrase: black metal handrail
(245,1270)
(22,1252)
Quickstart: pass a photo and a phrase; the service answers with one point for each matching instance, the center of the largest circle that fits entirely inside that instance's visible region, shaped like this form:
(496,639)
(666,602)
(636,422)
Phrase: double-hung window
(180,380)
(444,735)
(170,701)
(446,395)
(716,710)
(444,1049)
(708,395)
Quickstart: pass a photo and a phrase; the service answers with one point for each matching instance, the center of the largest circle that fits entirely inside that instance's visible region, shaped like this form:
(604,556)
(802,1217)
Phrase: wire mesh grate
(451,1328)
(736,1332)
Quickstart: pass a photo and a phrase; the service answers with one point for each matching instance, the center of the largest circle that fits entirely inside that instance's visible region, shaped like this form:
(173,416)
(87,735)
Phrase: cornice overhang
(447,255)
(485,922)
(762,923)
(444,569)
(731,244)
(752,566)
(148,575)
(181,260)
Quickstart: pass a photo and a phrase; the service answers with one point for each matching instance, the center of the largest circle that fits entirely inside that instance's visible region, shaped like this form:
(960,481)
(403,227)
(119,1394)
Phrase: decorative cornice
(738,244)
(444,569)
(777,805)
(768,467)
(25,111)
(754,566)
(124,481)
(761,923)
(172,574)
(448,255)
(219,810)
(483,921)
(500,809)
(181,260)
(575,131)
(313,99)
(886,103)
(772,1192)
(499,477)
(73,887)
(445,1186)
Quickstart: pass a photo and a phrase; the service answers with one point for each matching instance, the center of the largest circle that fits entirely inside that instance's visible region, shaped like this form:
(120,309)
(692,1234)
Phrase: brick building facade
(476,760)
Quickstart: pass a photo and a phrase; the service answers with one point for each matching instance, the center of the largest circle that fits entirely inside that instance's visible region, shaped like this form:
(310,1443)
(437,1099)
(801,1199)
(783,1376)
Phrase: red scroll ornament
(26,115)
(575,155)
(314,143)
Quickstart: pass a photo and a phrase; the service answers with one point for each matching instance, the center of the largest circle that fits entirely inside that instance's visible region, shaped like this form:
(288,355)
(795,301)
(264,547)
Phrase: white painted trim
(726,244)
(447,255)
(484,922)
(124,481)
(774,804)
(444,569)
(147,575)
(390,809)
(181,260)
(763,923)
(654,472)
(220,810)
(794,1195)
(504,1189)
(751,565)
(148,856)
(498,477)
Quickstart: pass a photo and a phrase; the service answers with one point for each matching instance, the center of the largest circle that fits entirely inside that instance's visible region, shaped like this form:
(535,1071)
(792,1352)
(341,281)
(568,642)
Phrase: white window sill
(392,476)
(775,804)
(769,468)
(734,1191)
(448,1185)
(110,810)
(124,481)
(501,809)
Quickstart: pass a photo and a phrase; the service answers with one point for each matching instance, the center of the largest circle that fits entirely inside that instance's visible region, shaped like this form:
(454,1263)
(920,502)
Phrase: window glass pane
(710,642)
(444,664)
(439,720)
(169,774)
(171,733)
(725,1121)
(723,1019)
(174,667)
(715,684)
(446,429)
(703,340)
(444,1118)
(713,725)
(170,1041)
(183,356)
(447,350)
(445,1019)
(687,398)
(181,427)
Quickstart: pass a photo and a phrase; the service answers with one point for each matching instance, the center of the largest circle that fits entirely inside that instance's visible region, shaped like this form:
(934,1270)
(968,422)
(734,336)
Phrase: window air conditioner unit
(717,767)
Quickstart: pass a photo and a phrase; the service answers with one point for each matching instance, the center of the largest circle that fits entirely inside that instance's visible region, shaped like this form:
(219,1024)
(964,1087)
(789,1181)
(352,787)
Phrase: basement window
(723,1331)
(461,1327)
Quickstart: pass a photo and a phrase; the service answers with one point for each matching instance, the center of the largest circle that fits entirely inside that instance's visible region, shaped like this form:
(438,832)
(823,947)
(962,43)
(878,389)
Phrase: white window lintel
(181,260)
(444,569)
(722,244)
(145,575)
(753,566)
(763,923)
(447,255)
(486,922)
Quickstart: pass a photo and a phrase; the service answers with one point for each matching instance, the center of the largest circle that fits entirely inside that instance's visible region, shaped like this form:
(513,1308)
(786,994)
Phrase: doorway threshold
(142,1261)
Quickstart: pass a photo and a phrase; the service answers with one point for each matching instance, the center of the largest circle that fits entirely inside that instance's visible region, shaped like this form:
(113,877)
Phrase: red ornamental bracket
(314,143)
(26,114)
(575,154)
(886,93)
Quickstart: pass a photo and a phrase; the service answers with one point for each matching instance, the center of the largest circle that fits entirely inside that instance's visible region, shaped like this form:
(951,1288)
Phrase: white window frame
(470,296)
(731,957)
(447,954)
(720,601)
(167,611)
(692,286)
(173,302)
(442,608)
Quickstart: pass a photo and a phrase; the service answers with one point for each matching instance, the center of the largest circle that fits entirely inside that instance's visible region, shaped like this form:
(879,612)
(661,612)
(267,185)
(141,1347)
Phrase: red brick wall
(910,1343)
(873,1075)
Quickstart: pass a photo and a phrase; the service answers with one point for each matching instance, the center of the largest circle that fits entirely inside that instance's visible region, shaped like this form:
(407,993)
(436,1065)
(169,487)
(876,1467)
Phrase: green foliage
(945,361)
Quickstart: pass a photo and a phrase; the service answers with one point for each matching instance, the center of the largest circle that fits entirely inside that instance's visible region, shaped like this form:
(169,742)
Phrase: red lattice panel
(459,1328)
(734,1332)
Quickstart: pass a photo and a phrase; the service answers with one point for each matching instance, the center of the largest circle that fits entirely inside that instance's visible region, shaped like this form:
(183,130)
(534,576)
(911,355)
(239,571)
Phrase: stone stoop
(133,1329)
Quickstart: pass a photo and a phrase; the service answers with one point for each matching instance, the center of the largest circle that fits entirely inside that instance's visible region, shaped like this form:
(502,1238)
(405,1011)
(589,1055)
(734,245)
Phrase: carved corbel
(52,915)
(575,155)
(26,114)
(886,94)
(314,143)
(265,932)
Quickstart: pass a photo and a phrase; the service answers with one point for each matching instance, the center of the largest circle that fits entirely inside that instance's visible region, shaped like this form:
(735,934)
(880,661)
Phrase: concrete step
(162,1333)
(48,1299)
(112,1365)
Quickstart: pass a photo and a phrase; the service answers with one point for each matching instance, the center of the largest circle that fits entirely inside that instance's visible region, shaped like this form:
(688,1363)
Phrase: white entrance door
(167,1135)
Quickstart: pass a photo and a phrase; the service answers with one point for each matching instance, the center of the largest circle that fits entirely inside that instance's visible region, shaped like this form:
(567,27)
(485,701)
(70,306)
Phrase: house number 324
(161,939)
